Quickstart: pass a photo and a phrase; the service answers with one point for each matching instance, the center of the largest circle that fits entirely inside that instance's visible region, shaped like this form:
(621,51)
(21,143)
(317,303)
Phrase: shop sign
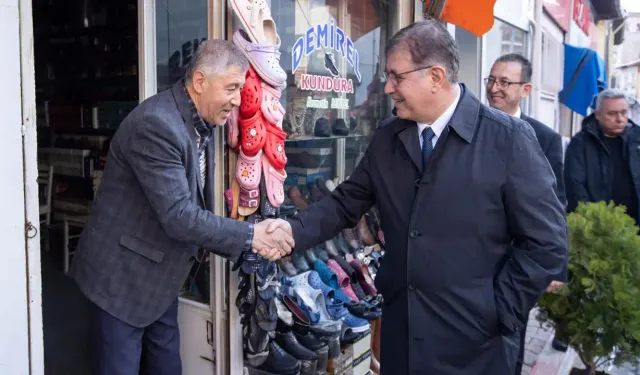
(323,83)
(327,37)
(336,103)
(582,15)
(560,11)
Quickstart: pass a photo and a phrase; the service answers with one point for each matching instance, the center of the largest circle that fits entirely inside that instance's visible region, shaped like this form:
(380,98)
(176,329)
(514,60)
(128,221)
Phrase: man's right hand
(272,238)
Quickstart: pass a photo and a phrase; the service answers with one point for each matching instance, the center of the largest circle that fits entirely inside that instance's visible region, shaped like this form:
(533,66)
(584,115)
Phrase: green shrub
(600,306)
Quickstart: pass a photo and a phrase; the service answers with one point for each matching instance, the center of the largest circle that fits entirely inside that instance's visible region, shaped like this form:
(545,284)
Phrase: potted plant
(599,308)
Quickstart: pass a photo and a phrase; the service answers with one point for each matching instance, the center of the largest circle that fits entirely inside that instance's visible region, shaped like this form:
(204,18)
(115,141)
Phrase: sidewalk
(541,359)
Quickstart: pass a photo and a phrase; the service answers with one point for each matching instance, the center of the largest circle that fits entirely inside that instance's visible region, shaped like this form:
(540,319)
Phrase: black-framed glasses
(502,84)
(396,78)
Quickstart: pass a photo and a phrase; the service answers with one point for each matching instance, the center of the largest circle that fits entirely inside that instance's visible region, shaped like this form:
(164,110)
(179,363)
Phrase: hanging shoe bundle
(255,128)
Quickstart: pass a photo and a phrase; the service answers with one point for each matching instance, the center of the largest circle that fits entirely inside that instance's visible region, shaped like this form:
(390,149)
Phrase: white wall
(515,12)
(577,37)
(14,348)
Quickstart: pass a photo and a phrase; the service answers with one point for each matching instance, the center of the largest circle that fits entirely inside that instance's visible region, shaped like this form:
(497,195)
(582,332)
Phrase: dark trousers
(121,349)
(523,340)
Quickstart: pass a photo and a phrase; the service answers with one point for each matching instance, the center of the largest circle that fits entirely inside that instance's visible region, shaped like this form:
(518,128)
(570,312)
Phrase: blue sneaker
(337,311)
(316,282)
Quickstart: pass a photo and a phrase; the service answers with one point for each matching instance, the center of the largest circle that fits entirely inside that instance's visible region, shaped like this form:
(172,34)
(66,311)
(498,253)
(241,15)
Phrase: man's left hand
(555,285)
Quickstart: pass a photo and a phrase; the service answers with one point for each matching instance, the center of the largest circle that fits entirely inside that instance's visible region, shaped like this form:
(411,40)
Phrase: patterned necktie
(427,146)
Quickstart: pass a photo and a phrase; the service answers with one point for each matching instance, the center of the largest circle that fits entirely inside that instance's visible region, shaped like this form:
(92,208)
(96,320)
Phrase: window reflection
(180,28)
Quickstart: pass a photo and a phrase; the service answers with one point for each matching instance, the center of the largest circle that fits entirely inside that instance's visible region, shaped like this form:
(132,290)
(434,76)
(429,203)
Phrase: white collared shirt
(442,121)
(518,113)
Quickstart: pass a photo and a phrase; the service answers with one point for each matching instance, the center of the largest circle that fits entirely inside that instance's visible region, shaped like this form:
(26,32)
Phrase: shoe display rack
(308,312)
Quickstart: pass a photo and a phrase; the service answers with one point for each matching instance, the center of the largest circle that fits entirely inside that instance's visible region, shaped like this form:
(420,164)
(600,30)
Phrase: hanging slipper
(274,146)
(248,202)
(253,133)
(267,210)
(232,197)
(255,16)
(233,129)
(249,170)
(271,108)
(274,182)
(250,95)
(265,58)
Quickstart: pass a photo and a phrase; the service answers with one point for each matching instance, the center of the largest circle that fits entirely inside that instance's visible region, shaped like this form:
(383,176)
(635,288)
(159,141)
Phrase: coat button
(192,259)
(413,234)
(417,182)
(412,287)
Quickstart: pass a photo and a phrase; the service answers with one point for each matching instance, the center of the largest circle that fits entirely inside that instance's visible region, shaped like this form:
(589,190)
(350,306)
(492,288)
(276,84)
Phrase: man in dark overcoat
(473,228)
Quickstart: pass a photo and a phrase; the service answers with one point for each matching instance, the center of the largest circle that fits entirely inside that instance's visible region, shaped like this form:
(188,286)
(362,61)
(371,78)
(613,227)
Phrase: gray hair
(609,94)
(214,57)
(429,43)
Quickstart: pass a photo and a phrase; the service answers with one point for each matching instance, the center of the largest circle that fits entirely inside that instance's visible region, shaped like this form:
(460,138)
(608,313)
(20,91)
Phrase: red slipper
(250,95)
(274,146)
(253,133)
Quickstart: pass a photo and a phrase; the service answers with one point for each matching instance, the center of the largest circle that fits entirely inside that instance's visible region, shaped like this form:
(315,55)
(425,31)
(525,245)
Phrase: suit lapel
(409,138)
(187,116)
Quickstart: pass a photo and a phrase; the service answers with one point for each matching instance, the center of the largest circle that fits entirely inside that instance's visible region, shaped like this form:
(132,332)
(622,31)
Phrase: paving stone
(530,357)
(535,345)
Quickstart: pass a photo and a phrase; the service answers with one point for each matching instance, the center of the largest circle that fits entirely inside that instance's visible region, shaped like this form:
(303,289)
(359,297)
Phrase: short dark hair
(525,65)
(429,43)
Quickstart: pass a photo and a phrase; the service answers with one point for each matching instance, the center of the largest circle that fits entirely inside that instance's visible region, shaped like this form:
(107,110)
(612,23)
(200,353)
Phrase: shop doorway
(86,75)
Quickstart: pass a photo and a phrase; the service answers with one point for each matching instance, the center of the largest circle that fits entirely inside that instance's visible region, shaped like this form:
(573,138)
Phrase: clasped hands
(273,239)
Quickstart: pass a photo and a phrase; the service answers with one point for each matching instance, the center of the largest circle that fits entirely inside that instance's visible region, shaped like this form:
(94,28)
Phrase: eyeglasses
(502,84)
(396,78)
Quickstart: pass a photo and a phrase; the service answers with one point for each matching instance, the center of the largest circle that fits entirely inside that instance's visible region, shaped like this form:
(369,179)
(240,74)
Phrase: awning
(474,16)
(584,78)
(606,9)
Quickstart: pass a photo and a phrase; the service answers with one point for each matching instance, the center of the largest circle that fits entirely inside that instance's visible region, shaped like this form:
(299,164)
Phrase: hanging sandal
(250,95)
(249,170)
(274,146)
(255,16)
(249,201)
(271,108)
(274,182)
(233,129)
(253,133)
(265,58)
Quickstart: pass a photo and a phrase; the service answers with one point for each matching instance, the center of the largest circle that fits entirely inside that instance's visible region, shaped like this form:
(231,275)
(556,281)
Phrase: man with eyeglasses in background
(473,230)
(507,85)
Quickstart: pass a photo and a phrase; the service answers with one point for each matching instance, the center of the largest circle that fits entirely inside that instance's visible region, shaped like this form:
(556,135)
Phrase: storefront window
(180,28)
(502,39)
(331,52)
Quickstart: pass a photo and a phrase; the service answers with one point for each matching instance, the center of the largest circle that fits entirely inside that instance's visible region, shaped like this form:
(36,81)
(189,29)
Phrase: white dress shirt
(442,121)
(518,113)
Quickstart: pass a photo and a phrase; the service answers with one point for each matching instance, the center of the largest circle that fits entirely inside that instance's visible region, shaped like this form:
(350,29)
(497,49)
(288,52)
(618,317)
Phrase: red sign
(582,15)
(560,11)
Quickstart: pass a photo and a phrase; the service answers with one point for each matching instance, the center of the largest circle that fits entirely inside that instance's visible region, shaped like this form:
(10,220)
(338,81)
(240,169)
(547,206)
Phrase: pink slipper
(249,201)
(271,107)
(343,280)
(274,181)
(249,170)
(233,129)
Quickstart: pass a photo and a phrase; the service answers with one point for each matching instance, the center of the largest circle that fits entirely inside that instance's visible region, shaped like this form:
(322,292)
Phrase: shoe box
(354,359)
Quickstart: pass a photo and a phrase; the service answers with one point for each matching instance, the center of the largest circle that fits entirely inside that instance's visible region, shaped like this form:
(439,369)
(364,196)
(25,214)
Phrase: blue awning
(584,78)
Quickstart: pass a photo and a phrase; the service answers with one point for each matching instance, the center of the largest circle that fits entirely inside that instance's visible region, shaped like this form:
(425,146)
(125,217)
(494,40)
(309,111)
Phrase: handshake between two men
(272,239)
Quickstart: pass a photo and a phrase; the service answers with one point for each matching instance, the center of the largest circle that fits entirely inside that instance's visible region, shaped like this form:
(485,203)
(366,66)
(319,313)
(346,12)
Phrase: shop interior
(86,69)
(87,81)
